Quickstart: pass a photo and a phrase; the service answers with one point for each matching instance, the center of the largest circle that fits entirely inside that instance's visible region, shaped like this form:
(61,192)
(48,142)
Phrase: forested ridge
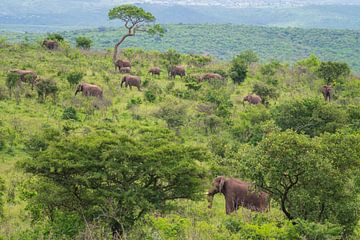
(115,162)
(226,40)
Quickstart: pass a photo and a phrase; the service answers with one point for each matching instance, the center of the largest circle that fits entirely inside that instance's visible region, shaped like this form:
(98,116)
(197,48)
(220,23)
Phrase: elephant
(50,44)
(252,99)
(125,70)
(326,91)
(177,70)
(120,64)
(89,90)
(155,71)
(238,193)
(208,76)
(130,81)
(26,76)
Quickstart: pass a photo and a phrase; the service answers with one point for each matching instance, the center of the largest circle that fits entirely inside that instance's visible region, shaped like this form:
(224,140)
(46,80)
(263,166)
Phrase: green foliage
(301,173)
(248,57)
(2,190)
(12,80)
(238,70)
(132,13)
(70,113)
(55,36)
(332,71)
(83,42)
(74,78)
(171,58)
(46,87)
(134,102)
(309,116)
(192,83)
(269,70)
(221,100)
(174,114)
(265,91)
(116,179)
(312,63)
(316,231)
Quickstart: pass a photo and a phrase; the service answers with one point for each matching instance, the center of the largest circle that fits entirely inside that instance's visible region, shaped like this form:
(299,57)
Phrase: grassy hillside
(37,139)
(224,41)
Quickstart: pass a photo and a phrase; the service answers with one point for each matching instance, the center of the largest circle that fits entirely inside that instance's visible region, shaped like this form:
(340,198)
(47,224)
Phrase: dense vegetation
(139,162)
(224,41)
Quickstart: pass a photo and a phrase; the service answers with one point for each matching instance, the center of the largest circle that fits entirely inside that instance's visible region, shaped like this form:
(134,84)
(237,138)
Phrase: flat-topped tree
(135,20)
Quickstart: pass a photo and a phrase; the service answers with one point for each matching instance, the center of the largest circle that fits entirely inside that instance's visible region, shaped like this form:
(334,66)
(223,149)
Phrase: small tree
(45,88)
(83,42)
(110,177)
(74,78)
(265,91)
(171,58)
(135,20)
(332,71)
(249,57)
(69,113)
(56,37)
(238,70)
(13,84)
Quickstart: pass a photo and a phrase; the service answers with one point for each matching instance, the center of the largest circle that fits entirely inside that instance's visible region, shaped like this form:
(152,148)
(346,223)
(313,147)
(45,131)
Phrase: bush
(55,37)
(133,102)
(45,88)
(265,91)
(332,71)
(69,113)
(309,116)
(192,83)
(238,70)
(83,42)
(174,114)
(74,78)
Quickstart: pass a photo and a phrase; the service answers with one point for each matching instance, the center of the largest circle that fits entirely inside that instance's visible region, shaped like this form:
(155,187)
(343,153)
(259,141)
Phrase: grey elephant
(326,91)
(130,81)
(122,63)
(238,193)
(125,70)
(89,90)
(155,71)
(209,76)
(26,76)
(50,44)
(252,99)
(177,71)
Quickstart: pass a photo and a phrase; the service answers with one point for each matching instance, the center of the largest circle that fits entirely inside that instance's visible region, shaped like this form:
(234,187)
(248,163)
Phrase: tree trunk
(118,44)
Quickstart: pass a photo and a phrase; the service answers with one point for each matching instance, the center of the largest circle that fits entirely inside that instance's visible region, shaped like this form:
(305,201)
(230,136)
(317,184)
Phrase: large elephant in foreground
(252,99)
(26,76)
(209,76)
(50,44)
(130,81)
(177,71)
(122,64)
(89,90)
(326,91)
(238,193)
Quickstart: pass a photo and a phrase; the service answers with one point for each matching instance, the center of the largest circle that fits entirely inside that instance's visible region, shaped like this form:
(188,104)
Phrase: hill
(15,15)
(79,167)
(225,41)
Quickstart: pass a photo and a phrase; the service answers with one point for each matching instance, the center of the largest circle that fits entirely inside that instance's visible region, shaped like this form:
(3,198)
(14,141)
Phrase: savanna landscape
(106,135)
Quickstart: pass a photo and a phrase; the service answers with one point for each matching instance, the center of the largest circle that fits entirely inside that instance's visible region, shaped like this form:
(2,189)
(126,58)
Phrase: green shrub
(133,102)
(55,36)
(238,70)
(74,78)
(46,87)
(83,42)
(69,113)
(265,91)
(309,116)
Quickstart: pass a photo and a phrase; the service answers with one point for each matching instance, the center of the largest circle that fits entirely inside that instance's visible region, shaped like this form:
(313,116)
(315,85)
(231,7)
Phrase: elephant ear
(221,184)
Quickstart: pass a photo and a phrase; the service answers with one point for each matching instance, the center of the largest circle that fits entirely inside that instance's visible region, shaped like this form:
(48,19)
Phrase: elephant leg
(229,205)
(138,87)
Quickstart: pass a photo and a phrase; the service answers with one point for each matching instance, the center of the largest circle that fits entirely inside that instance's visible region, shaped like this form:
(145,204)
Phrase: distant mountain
(47,15)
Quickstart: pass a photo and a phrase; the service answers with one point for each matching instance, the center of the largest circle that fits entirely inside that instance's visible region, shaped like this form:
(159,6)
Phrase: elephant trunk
(76,92)
(210,196)
(122,81)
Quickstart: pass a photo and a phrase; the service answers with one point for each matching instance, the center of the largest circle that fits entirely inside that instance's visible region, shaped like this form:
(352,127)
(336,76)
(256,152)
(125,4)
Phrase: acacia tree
(135,20)
(109,177)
